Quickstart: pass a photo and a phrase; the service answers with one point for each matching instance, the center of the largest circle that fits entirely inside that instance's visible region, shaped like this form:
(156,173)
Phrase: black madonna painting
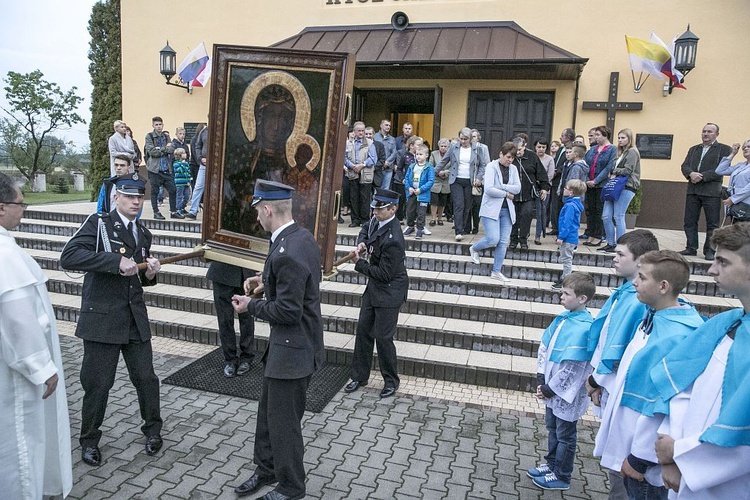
(278,115)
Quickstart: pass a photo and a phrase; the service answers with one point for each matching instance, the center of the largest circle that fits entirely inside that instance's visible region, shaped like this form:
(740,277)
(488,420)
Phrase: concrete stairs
(457,325)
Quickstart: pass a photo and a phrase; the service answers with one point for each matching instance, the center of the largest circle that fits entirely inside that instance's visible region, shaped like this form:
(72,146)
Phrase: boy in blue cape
(618,319)
(704,388)
(562,368)
(625,440)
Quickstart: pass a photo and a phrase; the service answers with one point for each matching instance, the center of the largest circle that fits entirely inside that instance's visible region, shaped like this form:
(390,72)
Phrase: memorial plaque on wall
(190,128)
(276,114)
(655,146)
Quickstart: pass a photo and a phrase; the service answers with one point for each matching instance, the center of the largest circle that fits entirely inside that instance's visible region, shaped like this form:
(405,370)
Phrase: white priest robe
(624,431)
(35,457)
(709,472)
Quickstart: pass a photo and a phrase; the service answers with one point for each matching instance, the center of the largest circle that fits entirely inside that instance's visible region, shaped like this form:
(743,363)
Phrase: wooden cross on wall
(612,106)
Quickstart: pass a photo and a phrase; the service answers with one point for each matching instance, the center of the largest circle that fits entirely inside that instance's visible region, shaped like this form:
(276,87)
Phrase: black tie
(132,234)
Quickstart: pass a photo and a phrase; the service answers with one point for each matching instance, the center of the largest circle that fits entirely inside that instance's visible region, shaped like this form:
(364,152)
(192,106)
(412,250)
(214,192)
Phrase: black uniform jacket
(291,280)
(108,297)
(388,282)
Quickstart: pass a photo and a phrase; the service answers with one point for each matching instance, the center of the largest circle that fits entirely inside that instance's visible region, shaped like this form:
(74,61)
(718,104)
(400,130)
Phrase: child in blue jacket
(418,181)
(568,225)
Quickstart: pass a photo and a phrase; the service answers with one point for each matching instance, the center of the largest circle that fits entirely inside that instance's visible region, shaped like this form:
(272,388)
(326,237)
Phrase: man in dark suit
(113,313)
(386,290)
(227,281)
(291,283)
(704,188)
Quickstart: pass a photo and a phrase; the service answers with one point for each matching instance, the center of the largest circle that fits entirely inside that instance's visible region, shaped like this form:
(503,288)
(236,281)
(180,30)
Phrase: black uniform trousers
(165,180)
(711,208)
(98,371)
(377,325)
(359,201)
(225,316)
(279,448)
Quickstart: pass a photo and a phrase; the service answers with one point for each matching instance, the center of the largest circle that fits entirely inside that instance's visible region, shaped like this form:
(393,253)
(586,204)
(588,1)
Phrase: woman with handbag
(737,205)
(624,177)
(599,159)
(534,184)
(497,212)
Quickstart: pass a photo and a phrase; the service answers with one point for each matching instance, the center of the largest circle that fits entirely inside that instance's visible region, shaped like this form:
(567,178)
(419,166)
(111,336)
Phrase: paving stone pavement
(359,447)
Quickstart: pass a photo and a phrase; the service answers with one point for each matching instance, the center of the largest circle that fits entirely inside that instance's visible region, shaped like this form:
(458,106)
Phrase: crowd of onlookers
(461,183)
(176,168)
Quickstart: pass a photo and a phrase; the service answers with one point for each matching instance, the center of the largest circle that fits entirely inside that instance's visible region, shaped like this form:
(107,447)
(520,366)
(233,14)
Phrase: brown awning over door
(487,50)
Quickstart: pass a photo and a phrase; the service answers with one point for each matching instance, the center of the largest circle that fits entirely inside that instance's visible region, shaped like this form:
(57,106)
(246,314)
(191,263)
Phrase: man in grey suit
(291,283)
(704,188)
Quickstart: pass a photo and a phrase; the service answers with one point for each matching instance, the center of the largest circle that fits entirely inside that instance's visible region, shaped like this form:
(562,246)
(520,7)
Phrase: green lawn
(51,197)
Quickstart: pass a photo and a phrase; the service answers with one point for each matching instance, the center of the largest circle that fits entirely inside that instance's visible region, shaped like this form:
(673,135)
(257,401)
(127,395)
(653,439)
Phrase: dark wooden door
(499,116)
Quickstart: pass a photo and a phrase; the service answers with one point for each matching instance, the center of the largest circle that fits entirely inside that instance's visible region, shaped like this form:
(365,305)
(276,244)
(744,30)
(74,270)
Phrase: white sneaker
(459,237)
(474,255)
(426,231)
(498,276)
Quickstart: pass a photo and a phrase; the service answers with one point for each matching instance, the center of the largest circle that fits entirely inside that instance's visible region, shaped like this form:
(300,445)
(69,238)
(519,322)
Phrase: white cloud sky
(51,36)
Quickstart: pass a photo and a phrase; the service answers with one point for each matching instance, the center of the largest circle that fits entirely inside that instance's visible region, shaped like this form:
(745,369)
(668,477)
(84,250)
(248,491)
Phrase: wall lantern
(168,65)
(685,50)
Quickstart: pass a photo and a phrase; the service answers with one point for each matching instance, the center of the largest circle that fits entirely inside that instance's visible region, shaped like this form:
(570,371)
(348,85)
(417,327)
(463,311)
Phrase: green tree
(36,109)
(105,69)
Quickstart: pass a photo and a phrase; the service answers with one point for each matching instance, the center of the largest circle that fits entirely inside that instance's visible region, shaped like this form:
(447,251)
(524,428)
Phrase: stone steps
(457,325)
(421,360)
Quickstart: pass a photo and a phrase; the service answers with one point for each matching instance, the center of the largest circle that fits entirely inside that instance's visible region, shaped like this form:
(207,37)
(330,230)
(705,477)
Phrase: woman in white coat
(497,213)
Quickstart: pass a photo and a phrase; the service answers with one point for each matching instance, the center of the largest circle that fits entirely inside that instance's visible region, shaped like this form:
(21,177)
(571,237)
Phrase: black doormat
(207,374)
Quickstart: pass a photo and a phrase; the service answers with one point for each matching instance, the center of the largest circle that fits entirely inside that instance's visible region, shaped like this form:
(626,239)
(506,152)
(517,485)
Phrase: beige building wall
(716,89)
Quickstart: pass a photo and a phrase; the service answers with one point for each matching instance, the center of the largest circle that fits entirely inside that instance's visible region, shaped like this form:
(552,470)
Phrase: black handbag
(739,212)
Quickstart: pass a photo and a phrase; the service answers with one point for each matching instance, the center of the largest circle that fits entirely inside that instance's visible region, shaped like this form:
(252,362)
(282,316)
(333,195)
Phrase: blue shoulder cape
(626,317)
(572,341)
(682,366)
(669,328)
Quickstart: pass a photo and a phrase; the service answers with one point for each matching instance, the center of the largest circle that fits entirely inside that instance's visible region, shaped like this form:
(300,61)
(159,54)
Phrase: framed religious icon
(279,115)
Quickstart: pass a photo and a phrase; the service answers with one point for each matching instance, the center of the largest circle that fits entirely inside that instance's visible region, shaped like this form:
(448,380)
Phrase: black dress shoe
(253,484)
(353,386)
(688,251)
(158,216)
(230,370)
(91,456)
(243,368)
(341,220)
(475,231)
(153,444)
(353,224)
(710,255)
(275,495)
(387,392)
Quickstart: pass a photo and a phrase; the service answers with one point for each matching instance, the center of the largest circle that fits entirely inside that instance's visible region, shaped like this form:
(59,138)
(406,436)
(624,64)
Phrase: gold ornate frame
(275,114)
